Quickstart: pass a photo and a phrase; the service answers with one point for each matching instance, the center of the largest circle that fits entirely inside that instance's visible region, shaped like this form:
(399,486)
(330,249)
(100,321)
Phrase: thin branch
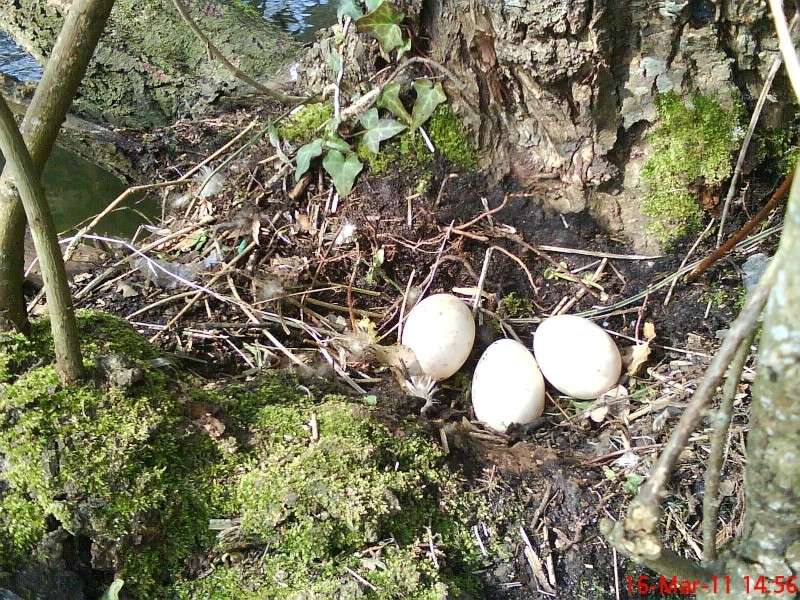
(45,239)
(786,46)
(740,329)
(719,439)
(762,99)
(740,234)
(269,91)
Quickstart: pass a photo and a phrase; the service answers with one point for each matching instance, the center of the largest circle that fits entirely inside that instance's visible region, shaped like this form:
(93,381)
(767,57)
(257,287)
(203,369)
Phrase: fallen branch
(269,91)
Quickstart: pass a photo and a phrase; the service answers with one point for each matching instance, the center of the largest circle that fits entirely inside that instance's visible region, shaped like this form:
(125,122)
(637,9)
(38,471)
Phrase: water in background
(16,62)
(301,18)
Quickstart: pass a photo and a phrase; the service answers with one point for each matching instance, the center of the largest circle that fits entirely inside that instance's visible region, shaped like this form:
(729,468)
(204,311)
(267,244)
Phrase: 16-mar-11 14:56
(645,585)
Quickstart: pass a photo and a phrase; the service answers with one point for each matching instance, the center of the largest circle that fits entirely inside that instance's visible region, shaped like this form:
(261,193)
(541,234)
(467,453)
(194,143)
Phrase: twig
(719,439)
(481,281)
(269,91)
(776,65)
(403,305)
(686,259)
(786,45)
(637,535)
(229,265)
(611,255)
(360,579)
(483,215)
(776,197)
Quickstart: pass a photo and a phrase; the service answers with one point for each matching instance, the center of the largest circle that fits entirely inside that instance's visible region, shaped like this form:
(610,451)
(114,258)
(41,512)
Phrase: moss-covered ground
(314,486)
(692,146)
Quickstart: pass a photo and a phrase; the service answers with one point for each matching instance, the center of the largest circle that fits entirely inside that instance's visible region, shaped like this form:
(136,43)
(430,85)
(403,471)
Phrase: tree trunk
(560,92)
(45,237)
(769,544)
(43,119)
(150,68)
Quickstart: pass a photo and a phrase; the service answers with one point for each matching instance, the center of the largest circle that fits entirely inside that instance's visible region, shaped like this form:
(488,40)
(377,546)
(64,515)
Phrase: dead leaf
(127,291)
(598,413)
(256,230)
(397,357)
(649,331)
(639,356)
(211,425)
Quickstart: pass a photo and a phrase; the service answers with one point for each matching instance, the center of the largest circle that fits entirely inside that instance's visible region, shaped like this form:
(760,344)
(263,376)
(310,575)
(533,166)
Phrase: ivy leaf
(390,100)
(429,96)
(378,129)
(383,23)
(349,8)
(342,170)
(334,142)
(305,155)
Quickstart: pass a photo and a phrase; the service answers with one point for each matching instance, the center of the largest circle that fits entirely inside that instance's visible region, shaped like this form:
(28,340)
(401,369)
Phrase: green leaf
(383,23)
(372,4)
(632,483)
(429,96)
(390,100)
(349,8)
(334,142)
(112,593)
(342,170)
(378,129)
(371,400)
(305,155)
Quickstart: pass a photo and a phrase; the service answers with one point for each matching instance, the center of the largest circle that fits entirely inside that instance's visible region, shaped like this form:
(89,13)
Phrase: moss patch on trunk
(692,147)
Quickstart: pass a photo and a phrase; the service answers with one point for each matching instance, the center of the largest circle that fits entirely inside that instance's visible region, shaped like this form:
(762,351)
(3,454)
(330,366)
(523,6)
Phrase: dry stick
(737,237)
(45,239)
(719,439)
(225,269)
(636,534)
(773,71)
(686,259)
(786,45)
(740,329)
(216,53)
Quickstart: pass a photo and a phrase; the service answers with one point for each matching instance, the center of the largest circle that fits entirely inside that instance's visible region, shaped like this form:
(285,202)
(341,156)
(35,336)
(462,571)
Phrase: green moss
(409,151)
(112,465)
(307,123)
(449,138)
(513,306)
(691,145)
(132,472)
(781,146)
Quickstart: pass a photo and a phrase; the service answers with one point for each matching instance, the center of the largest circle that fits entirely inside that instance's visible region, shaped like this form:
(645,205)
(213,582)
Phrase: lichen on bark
(149,67)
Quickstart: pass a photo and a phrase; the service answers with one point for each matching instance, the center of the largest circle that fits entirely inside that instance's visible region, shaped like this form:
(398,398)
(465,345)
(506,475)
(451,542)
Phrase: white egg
(507,386)
(577,356)
(440,330)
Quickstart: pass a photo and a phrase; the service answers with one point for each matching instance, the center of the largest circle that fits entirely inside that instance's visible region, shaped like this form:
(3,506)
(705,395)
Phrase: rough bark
(150,68)
(45,237)
(40,127)
(560,92)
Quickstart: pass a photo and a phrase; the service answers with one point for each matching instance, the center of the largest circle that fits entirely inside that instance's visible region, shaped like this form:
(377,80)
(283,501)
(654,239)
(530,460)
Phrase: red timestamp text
(645,585)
